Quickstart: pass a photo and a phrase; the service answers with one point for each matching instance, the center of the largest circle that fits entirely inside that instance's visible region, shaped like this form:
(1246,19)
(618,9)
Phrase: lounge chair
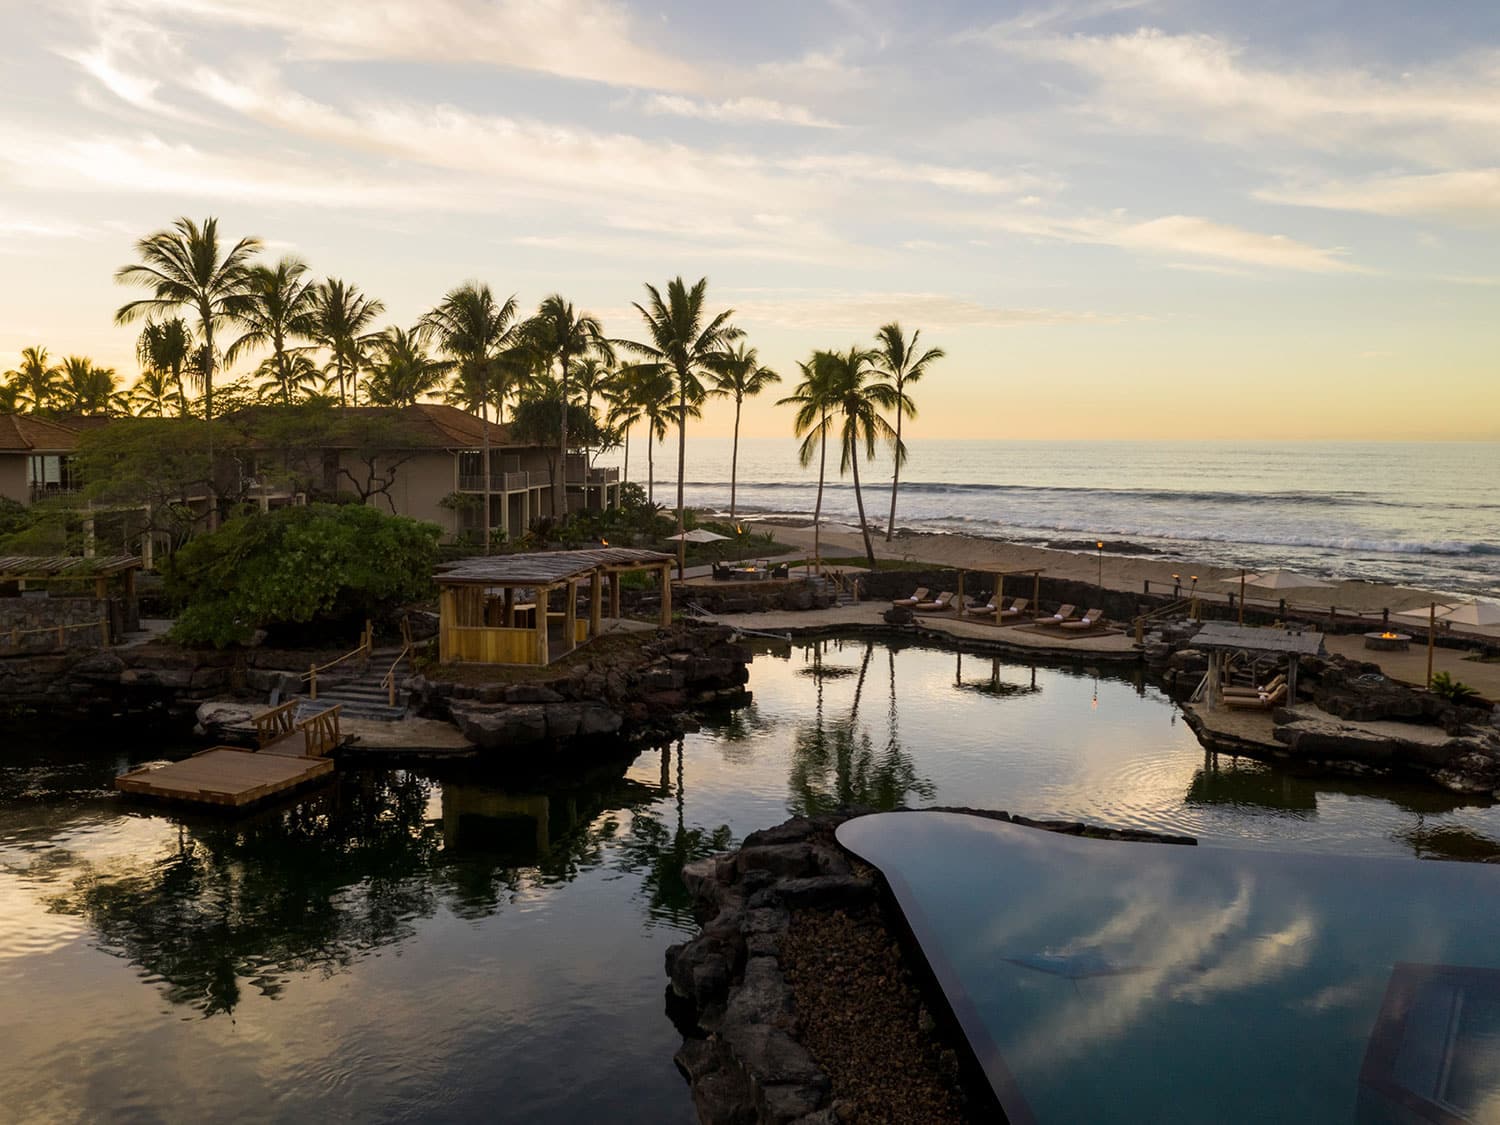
(1261,702)
(1249,692)
(1015,608)
(1064,613)
(782,571)
(916,596)
(939,604)
(1090,620)
(976,608)
(722,573)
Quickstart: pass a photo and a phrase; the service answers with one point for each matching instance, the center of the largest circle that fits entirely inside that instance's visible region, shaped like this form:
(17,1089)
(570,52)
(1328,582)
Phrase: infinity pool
(454,946)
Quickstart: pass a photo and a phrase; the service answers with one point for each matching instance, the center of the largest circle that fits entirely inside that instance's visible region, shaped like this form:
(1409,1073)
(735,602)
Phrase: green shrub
(1454,691)
(322,564)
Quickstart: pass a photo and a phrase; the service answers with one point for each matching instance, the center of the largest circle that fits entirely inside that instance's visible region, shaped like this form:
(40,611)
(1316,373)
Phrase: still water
(463,946)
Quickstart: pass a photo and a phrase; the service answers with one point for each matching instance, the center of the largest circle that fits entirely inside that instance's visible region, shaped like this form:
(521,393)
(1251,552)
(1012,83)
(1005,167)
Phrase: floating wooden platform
(225,776)
(290,756)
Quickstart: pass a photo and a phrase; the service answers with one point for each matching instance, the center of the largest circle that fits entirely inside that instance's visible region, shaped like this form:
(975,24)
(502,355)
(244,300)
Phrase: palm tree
(561,334)
(855,404)
(87,388)
(623,413)
(813,399)
(183,268)
(152,393)
(36,382)
(166,347)
(592,379)
(742,376)
(280,306)
(291,378)
(478,334)
(903,362)
(10,398)
(403,370)
(341,317)
(687,344)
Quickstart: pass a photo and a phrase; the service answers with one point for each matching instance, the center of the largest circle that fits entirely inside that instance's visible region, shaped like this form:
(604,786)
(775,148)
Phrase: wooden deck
(289,757)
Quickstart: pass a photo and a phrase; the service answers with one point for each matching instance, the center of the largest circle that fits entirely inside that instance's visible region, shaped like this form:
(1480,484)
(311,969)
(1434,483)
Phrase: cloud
(590,40)
(1470,198)
(861,166)
(865,310)
(737,111)
(1150,80)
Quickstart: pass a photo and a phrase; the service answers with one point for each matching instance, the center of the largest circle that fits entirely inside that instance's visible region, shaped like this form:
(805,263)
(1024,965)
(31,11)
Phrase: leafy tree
(403,370)
(903,362)
(813,398)
(279,308)
(184,268)
(87,388)
(340,320)
(294,566)
(158,465)
(166,348)
(480,336)
(36,383)
(855,402)
(563,335)
(536,421)
(687,343)
(740,376)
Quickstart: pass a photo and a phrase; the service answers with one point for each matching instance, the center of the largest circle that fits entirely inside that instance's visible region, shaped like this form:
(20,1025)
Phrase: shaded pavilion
(1218,638)
(112,579)
(1000,576)
(497,609)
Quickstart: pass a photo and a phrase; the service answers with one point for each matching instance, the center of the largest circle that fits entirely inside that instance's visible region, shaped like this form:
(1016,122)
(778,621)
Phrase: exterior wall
(13,477)
(421,483)
(79,616)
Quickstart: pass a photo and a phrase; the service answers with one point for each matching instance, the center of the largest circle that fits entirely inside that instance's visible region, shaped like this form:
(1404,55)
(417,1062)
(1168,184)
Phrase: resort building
(424,461)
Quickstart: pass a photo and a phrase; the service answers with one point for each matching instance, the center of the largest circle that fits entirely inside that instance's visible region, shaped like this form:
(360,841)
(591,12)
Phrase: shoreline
(1120,572)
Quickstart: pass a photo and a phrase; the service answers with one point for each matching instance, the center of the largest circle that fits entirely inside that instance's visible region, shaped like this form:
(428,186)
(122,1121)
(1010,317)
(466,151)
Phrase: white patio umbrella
(1286,580)
(1421,616)
(1475,613)
(698,535)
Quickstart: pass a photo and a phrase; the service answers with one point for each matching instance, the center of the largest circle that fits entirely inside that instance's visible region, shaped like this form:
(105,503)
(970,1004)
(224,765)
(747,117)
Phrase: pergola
(1000,577)
(22,569)
(482,621)
(1218,637)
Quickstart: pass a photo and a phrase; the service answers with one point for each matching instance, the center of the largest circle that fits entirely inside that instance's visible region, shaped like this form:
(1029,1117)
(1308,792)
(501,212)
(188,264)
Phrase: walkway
(1410,667)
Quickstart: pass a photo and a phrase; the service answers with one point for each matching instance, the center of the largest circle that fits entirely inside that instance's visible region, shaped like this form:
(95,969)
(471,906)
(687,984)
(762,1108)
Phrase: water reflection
(834,760)
(995,684)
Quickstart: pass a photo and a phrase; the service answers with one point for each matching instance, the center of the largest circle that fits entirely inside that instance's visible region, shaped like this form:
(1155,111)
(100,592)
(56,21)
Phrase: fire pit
(1388,641)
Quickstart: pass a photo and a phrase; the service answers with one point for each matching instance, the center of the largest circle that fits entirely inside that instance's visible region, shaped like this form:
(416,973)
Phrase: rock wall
(635,690)
(755,597)
(25,614)
(887,585)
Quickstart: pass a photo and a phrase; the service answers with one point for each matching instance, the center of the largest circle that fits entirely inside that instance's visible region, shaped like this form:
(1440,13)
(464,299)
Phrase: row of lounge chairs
(1265,697)
(1064,618)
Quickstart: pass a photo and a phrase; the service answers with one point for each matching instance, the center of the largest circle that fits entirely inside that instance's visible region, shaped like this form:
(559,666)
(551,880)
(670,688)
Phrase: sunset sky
(1121,218)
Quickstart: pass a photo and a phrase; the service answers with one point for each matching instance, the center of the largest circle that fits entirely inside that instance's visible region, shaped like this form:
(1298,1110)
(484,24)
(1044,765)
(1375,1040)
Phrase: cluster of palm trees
(76,385)
(319,340)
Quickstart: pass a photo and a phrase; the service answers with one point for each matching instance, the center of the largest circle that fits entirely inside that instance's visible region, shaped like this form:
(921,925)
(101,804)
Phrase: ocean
(1418,514)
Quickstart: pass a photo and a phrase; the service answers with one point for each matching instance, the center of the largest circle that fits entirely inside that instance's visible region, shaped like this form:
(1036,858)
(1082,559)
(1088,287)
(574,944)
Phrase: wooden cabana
(496,609)
(1218,638)
(1000,577)
(40,569)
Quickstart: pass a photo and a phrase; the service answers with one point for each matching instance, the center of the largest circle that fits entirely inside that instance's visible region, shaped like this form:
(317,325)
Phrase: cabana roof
(1222,635)
(545,568)
(65,566)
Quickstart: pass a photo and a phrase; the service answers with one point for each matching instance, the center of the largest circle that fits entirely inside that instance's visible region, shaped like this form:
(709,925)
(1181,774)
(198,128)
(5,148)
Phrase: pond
(457,945)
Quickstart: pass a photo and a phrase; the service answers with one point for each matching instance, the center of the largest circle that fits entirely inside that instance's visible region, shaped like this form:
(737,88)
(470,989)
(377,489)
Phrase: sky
(1119,218)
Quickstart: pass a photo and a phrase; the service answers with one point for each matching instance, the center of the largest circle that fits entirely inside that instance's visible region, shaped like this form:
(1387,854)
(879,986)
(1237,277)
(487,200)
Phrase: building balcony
(595,478)
(503,482)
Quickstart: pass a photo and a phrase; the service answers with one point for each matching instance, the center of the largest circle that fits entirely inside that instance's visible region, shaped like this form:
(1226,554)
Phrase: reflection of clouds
(1204,950)
(1346,995)
(27,928)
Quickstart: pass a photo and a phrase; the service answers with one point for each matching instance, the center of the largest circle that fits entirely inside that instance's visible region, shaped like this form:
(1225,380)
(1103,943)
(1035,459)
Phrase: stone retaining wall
(80,617)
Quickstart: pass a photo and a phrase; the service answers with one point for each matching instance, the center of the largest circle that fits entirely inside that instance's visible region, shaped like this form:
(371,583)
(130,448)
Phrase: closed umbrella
(1286,580)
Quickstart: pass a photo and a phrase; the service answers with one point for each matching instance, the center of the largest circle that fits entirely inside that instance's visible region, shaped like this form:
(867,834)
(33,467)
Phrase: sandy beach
(1120,572)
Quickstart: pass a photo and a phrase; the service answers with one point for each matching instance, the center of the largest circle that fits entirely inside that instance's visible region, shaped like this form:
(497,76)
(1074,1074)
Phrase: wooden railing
(275,723)
(101,627)
(1171,609)
(321,732)
(366,644)
(389,682)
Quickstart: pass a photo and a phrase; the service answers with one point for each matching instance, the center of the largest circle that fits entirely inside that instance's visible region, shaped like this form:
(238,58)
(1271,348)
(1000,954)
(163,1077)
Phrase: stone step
(352,709)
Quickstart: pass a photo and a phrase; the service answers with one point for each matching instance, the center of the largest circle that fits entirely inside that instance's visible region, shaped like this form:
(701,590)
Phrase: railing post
(104,631)
(312,681)
(390,683)
(62,636)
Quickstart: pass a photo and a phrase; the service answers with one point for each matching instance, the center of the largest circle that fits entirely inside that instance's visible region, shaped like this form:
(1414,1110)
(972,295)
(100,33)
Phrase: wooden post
(1291,680)
(1242,595)
(666,596)
(570,617)
(999,589)
(101,587)
(312,681)
(104,630)
(596,599)
(542,656)
(1036,593)
(62,639)
(960,593)
(1431,640)
(510,607)
(614,594)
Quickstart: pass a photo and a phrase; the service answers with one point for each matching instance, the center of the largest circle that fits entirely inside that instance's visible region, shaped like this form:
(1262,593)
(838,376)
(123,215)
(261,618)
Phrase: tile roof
(25,433)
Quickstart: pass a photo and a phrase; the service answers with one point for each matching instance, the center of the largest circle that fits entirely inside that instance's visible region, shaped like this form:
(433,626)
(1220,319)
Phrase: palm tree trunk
(734,457)
(208,414)
(681,466)
(560,485)
(890,527)
(625,470)
(484,420)
(859,502)
(650,464)
(818,507)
